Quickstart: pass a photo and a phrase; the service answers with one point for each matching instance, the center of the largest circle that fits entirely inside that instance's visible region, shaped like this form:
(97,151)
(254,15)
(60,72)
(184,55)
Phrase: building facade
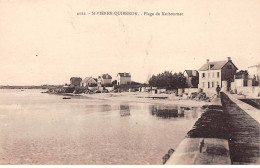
(221,73)
(192,78)
(75,81)
(123,78)
(242,79)
(104,79)
(88,81)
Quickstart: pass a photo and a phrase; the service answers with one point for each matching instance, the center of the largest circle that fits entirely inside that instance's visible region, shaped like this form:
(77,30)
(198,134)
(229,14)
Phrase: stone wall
(109,88)
(92,88)
(253,91)
(190,90)
(209,91)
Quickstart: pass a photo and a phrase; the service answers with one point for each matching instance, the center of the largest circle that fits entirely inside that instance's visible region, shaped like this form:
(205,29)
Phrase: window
(208,75)
(208,84)
(212,84)
(203,75)
(203,84)
(229,67)
(218,74)
(245,82)
(213,74)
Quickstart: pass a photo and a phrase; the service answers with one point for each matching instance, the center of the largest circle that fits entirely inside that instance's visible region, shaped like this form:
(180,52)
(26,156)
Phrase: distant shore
(30,87)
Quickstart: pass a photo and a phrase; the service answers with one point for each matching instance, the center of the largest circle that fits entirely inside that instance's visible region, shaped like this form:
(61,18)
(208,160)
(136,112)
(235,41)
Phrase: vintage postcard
(108,82)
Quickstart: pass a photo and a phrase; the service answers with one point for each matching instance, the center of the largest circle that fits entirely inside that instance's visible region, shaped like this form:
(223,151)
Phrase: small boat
(66,98)
(45,92)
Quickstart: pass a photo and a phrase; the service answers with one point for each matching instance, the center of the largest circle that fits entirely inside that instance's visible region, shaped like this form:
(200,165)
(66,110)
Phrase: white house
(216,73)
(104,79)
(88,81)
(192,78)
(123,78)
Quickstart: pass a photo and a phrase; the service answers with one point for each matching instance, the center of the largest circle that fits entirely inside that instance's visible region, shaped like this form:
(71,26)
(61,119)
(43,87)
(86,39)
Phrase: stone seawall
(243,130)
(206,142)
(228,132)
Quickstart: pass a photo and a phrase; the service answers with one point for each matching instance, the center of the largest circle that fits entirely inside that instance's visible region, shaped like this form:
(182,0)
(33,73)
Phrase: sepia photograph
(150,82)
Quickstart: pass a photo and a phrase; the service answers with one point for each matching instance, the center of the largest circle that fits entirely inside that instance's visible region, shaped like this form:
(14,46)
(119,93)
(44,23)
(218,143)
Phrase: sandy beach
(145,97)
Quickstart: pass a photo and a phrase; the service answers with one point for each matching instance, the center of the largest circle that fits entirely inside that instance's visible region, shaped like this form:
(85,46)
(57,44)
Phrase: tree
(181,81)
(114,82)
(195,81)
(168,80)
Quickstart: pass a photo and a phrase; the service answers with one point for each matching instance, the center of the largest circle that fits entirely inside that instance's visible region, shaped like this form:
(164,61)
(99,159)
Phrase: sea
(44,129)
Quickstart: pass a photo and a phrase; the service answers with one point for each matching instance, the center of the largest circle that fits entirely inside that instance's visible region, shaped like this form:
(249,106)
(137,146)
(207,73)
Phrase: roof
(124,74)
(106,76)
(87,79)
(217,65)
(75,78)
(190,74)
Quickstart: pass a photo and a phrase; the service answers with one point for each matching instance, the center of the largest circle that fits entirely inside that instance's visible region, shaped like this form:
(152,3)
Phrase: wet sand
(145,97)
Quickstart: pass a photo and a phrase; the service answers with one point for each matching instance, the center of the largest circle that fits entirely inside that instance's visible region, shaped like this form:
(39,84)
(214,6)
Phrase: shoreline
(141,97)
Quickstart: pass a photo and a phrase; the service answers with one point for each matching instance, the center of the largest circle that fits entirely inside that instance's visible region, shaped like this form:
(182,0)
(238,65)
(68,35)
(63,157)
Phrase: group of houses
(224,74)
(104,80)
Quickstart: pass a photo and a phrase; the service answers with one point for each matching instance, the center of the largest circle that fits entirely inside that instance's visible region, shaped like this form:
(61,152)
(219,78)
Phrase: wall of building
(123,80)
(89,82)
(106,81)
(253,91)
(210,76)
(102,81)
(188,79)
(241,83)
(254,71)
(228,74)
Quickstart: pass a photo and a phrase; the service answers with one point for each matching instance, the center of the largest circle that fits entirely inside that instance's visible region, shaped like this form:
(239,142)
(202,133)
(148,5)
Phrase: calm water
(38,128)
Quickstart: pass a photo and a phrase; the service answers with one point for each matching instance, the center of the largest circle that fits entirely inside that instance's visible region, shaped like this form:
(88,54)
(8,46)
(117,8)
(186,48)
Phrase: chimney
(207,61)
(228,58)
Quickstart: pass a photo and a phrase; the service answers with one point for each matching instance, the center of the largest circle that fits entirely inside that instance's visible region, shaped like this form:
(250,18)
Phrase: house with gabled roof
(221,73)
(104,79)
(192,78)
(123,78)
(89,81)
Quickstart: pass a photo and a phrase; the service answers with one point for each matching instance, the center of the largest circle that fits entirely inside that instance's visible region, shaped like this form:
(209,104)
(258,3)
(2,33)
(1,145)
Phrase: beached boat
(66,98)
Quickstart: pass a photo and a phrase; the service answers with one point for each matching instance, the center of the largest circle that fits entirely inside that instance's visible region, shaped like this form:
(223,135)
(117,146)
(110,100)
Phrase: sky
(46,42)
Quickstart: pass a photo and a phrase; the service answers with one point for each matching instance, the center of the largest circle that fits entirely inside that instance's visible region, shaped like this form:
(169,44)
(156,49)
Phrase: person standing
(218,90)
